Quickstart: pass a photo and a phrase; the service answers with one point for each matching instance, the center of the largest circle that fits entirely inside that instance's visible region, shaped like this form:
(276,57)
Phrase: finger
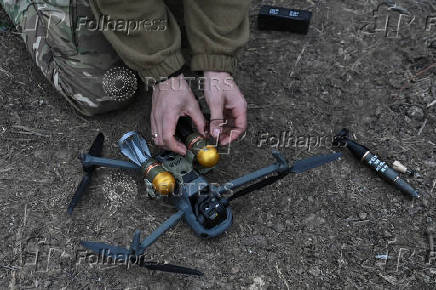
(156,131)
(239,114)
(169,141)
(153,129)
(216,119)
(154,117)
(231,136)
(198,119)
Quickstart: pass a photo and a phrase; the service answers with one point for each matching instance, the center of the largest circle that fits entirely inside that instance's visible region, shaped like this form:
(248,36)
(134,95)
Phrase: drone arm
(160,230)
(281,166)
(238,182)
(89,160)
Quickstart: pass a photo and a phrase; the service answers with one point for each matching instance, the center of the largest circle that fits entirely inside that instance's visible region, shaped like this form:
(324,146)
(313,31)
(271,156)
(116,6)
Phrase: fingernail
(216,132)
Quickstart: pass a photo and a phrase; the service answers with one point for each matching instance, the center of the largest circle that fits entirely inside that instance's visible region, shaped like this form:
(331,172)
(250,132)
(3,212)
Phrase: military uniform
(76,43)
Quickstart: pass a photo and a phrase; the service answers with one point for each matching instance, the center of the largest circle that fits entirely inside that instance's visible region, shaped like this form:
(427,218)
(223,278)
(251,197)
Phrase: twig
(298,60)
(13,268)
(413,78)
(8,74)
(434,184)
(46,180)
(279,273)
(431,104)
(30,131)
(311,2)
(6,169)
(422,127)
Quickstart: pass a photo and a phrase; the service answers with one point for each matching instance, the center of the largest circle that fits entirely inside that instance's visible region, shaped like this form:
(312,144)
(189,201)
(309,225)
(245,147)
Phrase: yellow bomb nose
(208,156)
(164,183)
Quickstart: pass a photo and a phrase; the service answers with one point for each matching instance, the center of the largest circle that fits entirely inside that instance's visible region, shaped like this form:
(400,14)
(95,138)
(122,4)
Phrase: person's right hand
(172,99)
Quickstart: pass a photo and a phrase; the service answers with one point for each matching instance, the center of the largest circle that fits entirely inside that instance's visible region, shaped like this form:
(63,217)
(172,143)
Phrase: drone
(179,180)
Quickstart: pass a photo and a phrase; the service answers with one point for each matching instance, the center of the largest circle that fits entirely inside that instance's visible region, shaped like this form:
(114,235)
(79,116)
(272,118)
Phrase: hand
(226,104)
(172,99)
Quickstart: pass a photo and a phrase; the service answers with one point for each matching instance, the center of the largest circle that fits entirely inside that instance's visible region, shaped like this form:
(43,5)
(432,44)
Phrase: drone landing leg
(160,231)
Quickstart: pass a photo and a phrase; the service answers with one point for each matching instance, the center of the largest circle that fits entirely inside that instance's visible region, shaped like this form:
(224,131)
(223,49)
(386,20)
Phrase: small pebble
(430,163)
(315,271)
(279,228)
(416,113)
(387,234)
(363,215)
(235,269)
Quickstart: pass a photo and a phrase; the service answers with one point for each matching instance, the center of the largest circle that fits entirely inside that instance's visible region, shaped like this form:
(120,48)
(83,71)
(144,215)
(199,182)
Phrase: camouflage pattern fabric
(73,60)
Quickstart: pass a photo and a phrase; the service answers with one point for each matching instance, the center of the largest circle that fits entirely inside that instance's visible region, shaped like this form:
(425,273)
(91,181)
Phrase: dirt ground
(326,228)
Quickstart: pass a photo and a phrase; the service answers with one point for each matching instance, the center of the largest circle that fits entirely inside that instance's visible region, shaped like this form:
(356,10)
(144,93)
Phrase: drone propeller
(169,268)
(134,147)
(118,253)
(313,162)
(96,150)
(298,167)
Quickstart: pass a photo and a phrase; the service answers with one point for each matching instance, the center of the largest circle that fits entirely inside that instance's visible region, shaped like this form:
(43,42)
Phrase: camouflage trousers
(81,64)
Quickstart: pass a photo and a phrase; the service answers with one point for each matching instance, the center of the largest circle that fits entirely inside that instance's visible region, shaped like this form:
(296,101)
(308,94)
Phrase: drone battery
(283,19)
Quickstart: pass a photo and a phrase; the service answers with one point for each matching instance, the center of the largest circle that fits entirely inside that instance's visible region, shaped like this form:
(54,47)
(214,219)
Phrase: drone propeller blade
(116,252)
(96,150)
(298,167)
(97,146)
(106,249)
(313,162)
(83,186)
(170,268)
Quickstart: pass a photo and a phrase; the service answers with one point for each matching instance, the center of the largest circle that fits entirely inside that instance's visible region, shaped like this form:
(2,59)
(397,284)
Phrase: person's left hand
(227,106)
(172,99)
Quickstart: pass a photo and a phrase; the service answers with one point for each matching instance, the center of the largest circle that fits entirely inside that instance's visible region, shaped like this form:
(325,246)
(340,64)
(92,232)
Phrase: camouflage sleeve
(76,61)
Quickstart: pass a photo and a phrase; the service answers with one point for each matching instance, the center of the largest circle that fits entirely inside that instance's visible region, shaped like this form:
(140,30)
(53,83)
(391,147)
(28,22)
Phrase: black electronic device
(283,19)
